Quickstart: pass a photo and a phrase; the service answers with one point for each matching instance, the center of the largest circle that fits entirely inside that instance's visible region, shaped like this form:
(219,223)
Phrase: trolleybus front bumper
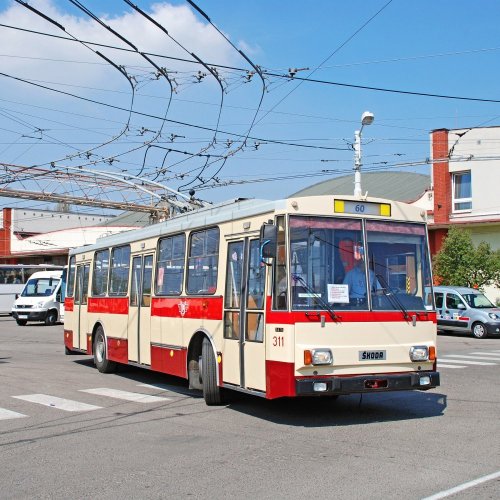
(379,382)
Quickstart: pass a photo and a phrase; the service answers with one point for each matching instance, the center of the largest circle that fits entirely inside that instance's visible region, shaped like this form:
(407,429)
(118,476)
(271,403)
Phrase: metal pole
(357,164)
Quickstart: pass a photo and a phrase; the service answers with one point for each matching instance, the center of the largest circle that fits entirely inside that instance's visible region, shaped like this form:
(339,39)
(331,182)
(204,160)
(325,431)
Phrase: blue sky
(195,137)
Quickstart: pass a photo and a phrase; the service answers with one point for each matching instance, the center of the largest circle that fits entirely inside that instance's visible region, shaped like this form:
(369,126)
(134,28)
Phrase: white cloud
(33,56)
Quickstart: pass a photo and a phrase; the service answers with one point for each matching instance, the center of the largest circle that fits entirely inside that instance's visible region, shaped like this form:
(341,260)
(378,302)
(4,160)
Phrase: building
(465,165)
(408,187)
(45,237)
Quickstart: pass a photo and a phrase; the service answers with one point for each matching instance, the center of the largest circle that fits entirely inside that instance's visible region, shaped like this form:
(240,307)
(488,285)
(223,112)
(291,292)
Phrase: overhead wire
(102,56)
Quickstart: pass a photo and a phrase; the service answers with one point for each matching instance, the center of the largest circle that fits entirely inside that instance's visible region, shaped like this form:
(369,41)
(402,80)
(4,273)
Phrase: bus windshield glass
(40,287)
(341,263)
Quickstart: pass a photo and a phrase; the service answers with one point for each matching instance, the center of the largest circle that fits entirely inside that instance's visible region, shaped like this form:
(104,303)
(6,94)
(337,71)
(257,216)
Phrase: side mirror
(268,241)
(460,306)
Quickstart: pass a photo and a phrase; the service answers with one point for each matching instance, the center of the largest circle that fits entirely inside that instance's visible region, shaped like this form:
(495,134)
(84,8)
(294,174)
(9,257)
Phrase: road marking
(474,357)
(59,403)
(442,365)
(465,362)
(492,355)
(128,396)
(462,487)
(8,414)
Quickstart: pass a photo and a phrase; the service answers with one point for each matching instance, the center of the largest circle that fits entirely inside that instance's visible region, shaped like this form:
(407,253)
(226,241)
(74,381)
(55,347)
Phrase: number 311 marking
(278,341)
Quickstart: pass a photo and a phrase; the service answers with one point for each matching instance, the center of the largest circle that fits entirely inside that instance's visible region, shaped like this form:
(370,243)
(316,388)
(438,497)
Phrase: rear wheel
(479,330)
(51,318)
(21,322)
(211,391)
(101,361)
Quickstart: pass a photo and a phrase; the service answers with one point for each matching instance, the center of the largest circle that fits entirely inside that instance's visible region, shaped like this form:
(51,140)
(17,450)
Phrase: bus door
(139,320)
(80,306)
(244,346)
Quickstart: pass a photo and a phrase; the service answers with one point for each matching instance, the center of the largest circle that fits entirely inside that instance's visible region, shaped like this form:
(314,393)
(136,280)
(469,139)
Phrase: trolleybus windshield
(342,263)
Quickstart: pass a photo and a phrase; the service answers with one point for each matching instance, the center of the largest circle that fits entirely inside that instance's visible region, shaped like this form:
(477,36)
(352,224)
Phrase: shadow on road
(349,410)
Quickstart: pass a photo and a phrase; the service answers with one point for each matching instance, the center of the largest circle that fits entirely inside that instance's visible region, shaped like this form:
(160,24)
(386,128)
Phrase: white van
(42,299)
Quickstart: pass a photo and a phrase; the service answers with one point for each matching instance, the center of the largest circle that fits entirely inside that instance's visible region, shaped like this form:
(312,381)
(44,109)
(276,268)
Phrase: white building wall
(62,240)
(478,150)
(41,221)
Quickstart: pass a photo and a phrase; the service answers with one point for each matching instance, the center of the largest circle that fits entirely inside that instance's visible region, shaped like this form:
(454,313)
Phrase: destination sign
(362,208)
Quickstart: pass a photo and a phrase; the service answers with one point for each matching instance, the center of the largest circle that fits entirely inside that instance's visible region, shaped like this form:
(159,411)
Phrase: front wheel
(51,318)
(101,361)
(211,391)
(21,322)
(479,330)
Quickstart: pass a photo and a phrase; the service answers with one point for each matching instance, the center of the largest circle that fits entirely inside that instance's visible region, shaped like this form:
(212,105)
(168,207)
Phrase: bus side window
(203,261)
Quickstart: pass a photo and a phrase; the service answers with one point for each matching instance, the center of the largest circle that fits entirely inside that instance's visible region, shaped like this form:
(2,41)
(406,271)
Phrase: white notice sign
(338,294)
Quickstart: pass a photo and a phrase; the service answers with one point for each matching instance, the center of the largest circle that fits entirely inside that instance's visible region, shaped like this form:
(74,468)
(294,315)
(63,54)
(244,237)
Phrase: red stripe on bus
(169,361)
(68,339)
(280,379)
(118,350)
(342,316)
(187,307)
(110,305)
(69,303)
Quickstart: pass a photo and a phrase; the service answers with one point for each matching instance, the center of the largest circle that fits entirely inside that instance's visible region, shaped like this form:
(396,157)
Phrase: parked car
(42,298)
(466,310)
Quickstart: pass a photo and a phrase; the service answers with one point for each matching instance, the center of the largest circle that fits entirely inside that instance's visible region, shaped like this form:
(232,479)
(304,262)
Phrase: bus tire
(21,322)
(101,361)
(51,317)
(479,330)
(212,393)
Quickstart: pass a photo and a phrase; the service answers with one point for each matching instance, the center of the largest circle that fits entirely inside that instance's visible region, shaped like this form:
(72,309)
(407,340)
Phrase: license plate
(372,355)
(22,316)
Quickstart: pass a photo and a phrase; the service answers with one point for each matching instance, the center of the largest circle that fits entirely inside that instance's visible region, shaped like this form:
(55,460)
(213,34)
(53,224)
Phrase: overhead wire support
(255,68)
(114,65)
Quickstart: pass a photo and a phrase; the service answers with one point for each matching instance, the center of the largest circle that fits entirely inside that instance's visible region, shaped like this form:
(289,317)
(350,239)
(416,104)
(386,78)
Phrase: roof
(399,186)
(458,289)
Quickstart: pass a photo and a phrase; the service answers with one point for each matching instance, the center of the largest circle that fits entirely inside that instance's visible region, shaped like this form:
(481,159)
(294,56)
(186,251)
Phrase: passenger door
(244,343)
(452,316)
(139,321)
(80,306)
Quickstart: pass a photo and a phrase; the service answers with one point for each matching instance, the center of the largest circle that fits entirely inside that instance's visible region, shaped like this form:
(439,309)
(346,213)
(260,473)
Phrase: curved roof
(399,186)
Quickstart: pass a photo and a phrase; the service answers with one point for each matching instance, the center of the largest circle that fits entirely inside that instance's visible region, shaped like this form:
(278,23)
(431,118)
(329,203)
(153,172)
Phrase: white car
(466,310)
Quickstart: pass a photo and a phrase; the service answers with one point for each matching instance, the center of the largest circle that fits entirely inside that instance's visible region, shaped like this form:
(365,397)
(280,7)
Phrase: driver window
(453,301)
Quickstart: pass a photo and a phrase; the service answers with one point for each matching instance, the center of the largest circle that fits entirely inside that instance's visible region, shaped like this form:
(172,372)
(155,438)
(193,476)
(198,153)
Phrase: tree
(460,263)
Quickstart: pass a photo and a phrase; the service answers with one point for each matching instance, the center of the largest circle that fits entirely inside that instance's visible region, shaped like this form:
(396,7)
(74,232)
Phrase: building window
(462,192)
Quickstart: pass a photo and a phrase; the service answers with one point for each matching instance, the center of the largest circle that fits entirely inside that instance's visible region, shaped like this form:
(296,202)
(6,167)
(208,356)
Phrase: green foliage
(460,263)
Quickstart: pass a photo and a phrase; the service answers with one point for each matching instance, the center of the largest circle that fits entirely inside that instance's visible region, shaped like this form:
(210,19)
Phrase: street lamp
(366,119)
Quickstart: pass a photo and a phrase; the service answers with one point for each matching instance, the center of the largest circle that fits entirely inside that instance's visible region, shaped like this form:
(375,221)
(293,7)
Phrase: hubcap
(99,351)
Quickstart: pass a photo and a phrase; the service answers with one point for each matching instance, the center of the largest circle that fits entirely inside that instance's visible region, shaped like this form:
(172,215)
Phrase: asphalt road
(408,445)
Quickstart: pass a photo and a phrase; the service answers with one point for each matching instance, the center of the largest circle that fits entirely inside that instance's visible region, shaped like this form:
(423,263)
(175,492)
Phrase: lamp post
(366,119)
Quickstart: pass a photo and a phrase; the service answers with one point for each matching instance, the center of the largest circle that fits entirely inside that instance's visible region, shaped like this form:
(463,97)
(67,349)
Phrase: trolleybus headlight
(318,357)
(419,353)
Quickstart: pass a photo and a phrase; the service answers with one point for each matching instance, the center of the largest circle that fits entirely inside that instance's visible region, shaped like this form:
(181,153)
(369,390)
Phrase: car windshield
(477,301)
(40,287)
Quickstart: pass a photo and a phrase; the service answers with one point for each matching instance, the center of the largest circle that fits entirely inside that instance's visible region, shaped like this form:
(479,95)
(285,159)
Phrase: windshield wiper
(315,296)
(392,296)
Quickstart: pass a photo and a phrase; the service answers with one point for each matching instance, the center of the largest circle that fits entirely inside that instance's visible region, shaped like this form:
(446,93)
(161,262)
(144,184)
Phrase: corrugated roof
(399,186)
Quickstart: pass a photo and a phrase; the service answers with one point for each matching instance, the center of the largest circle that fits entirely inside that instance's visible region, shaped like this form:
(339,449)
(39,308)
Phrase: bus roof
(232,210)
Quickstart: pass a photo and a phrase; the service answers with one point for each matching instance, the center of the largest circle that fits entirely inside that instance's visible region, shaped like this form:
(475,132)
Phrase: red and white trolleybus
(319,295)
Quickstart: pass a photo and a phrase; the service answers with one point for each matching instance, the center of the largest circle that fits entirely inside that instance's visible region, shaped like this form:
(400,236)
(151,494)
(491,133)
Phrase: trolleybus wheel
(211,391)
(51,318)
(479,330)
(101,361)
